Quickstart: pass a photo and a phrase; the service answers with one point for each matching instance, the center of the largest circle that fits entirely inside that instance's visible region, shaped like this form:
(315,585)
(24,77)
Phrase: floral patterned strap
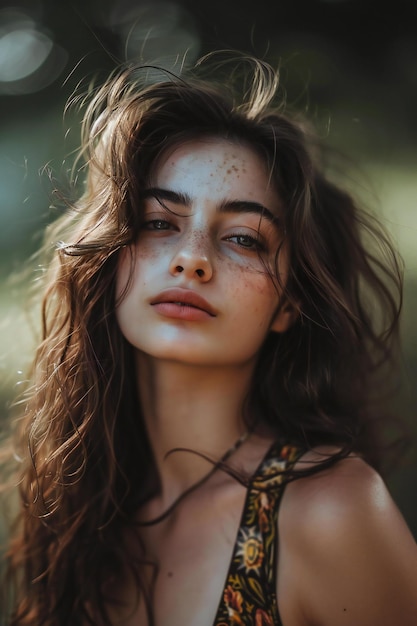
(249,597)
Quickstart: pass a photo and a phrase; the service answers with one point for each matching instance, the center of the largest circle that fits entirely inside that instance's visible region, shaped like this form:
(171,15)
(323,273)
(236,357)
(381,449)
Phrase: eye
(157,224)
(247,241)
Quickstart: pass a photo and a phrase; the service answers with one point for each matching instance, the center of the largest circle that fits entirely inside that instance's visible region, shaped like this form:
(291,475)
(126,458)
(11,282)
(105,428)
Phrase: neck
(195,408)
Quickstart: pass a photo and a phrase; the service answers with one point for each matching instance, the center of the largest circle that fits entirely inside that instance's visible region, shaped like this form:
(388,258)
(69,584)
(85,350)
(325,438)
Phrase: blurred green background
(351,65)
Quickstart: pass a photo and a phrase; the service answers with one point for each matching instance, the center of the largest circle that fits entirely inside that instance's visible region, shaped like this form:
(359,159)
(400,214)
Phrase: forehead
(217,167)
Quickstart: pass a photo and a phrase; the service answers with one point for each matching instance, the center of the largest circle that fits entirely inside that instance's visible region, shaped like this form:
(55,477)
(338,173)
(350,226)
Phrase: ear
(286,316)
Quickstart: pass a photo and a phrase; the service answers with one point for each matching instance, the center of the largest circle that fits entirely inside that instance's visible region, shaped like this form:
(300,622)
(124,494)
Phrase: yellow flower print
(272,474)
(250,549)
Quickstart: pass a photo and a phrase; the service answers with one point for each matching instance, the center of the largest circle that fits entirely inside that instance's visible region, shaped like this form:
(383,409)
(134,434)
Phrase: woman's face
(200,293)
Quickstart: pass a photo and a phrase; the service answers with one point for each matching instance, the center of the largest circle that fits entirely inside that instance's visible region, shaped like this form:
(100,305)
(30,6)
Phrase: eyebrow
(229,206)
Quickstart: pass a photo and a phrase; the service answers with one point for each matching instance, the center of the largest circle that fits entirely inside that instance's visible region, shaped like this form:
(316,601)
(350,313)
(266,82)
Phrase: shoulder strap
(249,595)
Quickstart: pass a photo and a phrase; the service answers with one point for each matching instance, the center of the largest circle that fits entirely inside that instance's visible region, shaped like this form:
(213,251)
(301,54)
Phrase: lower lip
(181,311)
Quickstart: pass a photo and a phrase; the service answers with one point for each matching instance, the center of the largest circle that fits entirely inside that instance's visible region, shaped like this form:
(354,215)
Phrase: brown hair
(313,384)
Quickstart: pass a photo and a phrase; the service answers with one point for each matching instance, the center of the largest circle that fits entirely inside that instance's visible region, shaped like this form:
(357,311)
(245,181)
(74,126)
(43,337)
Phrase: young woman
(200,439)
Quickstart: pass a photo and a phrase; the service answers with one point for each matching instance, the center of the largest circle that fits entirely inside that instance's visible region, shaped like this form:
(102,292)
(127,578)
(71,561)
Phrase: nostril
(179,268)
(200,273)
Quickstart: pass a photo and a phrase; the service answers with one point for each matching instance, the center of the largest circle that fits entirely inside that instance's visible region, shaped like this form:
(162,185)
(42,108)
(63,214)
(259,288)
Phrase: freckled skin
(202,241)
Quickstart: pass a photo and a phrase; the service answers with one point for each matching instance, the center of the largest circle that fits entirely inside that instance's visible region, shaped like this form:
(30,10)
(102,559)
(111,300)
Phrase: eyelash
(152,223)
(254,242)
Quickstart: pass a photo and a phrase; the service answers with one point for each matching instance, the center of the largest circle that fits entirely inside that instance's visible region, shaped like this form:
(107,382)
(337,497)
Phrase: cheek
(150,249)
(256,295)
(133,262)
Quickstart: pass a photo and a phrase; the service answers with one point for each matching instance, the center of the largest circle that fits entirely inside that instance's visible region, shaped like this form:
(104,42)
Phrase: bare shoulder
(346,553)
(336,496)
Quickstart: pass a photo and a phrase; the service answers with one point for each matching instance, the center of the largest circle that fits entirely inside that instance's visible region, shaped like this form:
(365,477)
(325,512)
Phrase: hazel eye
(157,225)
(246,241)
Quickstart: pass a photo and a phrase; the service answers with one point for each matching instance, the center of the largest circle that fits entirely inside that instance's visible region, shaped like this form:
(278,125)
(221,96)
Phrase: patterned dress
(249,596)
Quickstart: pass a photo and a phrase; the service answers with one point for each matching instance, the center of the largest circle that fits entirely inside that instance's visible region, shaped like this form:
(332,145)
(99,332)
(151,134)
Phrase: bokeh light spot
(22,52)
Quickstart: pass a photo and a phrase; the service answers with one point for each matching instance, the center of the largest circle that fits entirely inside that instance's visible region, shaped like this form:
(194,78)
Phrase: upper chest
(214,557)
(190,554)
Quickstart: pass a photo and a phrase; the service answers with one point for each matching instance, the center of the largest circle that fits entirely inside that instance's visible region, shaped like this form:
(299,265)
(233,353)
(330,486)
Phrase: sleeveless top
(249,595)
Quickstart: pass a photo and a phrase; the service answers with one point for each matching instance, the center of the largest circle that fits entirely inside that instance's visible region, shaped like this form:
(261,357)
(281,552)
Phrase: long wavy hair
(84,463)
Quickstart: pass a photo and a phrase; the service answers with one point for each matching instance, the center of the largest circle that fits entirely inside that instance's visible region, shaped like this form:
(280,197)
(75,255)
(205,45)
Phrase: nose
(192,260)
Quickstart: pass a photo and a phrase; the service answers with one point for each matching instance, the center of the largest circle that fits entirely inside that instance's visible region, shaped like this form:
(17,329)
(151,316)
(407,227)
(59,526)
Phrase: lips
(184,298)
